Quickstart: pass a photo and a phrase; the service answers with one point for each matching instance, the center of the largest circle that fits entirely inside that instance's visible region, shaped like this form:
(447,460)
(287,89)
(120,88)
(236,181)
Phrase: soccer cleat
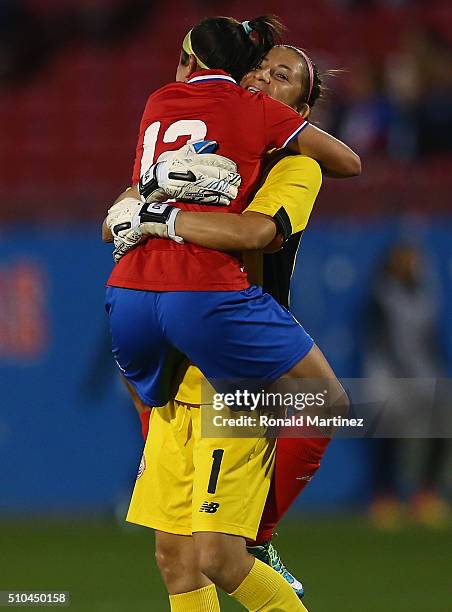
(268,554)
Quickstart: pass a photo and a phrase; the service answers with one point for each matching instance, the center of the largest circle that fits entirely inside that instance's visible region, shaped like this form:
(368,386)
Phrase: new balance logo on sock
(209,507)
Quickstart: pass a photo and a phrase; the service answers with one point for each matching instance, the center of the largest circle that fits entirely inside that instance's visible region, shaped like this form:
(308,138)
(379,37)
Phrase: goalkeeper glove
(119,220)
(130,222)
(192,173)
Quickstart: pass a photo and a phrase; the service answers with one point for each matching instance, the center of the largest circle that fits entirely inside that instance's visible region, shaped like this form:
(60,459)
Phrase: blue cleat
(268,554)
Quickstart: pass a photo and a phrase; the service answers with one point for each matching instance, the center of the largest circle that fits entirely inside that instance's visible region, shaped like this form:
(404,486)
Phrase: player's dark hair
(223,42)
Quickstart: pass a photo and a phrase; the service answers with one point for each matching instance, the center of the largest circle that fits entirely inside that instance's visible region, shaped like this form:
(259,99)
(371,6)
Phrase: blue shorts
(227,334)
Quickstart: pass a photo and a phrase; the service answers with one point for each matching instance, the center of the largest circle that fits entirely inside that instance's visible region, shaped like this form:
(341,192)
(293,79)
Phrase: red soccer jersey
(246,125)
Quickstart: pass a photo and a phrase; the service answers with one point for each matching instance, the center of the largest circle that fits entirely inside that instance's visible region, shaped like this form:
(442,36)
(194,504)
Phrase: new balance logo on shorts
(209,507)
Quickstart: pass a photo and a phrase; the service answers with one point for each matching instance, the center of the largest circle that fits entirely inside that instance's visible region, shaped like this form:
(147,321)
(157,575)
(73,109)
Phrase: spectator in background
(404,344)
(402,106)
(435,106)
(418,81)
(402,75)
(364,112)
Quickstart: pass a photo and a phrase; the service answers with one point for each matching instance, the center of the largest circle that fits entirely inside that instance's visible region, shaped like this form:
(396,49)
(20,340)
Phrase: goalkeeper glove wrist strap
(149,182)
(162,214)
(171,225)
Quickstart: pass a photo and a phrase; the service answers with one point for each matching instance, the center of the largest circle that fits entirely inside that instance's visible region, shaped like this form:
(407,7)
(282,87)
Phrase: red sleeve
(282,123)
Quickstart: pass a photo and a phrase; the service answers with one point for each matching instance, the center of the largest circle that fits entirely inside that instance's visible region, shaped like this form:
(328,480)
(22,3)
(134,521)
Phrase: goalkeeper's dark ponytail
(232,46)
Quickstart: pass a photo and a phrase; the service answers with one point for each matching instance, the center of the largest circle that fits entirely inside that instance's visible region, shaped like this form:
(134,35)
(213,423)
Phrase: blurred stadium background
(74,77)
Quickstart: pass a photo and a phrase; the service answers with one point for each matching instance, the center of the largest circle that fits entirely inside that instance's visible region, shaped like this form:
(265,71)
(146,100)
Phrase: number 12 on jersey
(194,129)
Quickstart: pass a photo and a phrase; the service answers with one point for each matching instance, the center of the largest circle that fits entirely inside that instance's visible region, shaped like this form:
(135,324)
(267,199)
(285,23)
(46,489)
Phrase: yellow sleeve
(289,192)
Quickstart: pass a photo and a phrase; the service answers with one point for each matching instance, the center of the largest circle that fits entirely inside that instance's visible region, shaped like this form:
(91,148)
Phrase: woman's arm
(249,231)
(222,231)
(336,159)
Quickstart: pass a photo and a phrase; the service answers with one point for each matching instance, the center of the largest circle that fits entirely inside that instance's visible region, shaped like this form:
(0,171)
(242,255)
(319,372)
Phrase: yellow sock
(201,600)
(264,590)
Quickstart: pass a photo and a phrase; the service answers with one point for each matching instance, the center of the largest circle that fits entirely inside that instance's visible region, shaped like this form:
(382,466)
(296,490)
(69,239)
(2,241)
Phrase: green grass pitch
(346,565)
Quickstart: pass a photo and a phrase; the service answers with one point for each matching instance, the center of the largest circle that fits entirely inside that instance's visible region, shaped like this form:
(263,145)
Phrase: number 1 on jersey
(217,456)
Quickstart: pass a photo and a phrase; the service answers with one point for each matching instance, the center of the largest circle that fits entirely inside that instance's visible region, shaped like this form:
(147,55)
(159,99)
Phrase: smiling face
(281,75)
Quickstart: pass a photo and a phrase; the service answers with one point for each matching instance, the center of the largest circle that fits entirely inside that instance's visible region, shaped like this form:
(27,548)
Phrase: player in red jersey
(209,104)
(154,279)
